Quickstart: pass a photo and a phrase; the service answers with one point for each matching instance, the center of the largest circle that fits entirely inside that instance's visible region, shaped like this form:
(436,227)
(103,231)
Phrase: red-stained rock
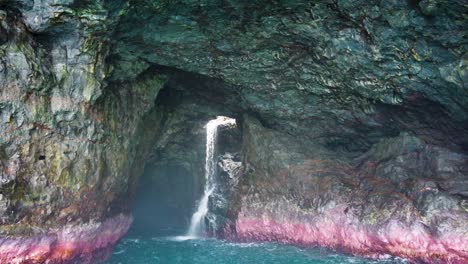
(70,244)
(384,203)
(344,233)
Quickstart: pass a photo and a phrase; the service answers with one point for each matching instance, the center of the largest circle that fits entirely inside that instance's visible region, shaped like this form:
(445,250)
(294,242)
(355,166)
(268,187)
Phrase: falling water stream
(197,223)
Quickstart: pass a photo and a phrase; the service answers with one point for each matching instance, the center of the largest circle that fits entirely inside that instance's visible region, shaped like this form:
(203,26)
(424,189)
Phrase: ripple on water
(177,238)
(192,250)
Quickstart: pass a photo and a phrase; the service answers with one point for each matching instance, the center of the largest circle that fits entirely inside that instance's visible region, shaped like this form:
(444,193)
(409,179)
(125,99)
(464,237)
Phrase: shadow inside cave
(164,201)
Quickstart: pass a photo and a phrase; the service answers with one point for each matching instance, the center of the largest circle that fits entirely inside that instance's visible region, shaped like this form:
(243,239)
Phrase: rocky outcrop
(393,200)
(344,73)
(69,244)
(354,120)
(69,148)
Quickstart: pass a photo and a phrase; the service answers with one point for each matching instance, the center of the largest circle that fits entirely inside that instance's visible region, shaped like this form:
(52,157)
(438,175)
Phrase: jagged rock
(304,194)
(68,149)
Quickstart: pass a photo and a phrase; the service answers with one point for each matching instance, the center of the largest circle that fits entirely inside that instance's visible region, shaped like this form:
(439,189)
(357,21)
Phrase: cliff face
(353,115)
(401,198)
(71,144)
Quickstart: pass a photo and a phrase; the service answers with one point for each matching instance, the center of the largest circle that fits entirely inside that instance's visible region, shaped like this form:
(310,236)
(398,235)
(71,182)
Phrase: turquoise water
(173,250)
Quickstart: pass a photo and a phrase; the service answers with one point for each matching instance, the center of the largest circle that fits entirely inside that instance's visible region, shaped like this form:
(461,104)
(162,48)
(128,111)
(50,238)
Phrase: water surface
(177,250)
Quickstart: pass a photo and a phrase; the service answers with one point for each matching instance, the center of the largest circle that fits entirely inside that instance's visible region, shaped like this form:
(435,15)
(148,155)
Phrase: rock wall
(71,144)
(403,197)
(345,73)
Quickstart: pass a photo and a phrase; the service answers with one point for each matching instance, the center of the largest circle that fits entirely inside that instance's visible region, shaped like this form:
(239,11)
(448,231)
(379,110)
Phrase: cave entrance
(173,182)
(187,177)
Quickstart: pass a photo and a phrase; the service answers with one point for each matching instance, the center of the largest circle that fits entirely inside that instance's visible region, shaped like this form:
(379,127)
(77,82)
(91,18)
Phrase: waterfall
(197,223)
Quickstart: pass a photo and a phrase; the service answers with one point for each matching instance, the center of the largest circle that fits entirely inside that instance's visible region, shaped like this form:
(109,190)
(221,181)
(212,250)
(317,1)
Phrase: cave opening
(192,165)
(187,195)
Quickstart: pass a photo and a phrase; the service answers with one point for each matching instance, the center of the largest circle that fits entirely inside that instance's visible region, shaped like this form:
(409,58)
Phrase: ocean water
(179,250)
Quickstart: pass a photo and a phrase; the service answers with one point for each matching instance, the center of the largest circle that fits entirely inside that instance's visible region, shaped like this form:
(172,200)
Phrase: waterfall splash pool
(172,250)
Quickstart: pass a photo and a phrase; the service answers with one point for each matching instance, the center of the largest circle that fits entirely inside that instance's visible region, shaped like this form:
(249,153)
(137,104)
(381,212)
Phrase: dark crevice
(414,4)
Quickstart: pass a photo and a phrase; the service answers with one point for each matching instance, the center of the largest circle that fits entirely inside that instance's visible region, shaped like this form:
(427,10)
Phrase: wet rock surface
(87,243)
(353,118)
(339,72)
(70,150)
(392,200)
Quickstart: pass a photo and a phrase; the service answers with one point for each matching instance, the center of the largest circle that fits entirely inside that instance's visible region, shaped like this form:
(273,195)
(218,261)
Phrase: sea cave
(231,131)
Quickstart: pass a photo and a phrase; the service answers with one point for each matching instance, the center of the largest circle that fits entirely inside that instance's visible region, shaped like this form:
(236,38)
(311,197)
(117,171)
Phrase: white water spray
(197,223)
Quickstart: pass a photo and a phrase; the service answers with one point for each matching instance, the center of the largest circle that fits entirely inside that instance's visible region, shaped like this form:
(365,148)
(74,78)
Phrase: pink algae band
(83,242)
(414,243)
